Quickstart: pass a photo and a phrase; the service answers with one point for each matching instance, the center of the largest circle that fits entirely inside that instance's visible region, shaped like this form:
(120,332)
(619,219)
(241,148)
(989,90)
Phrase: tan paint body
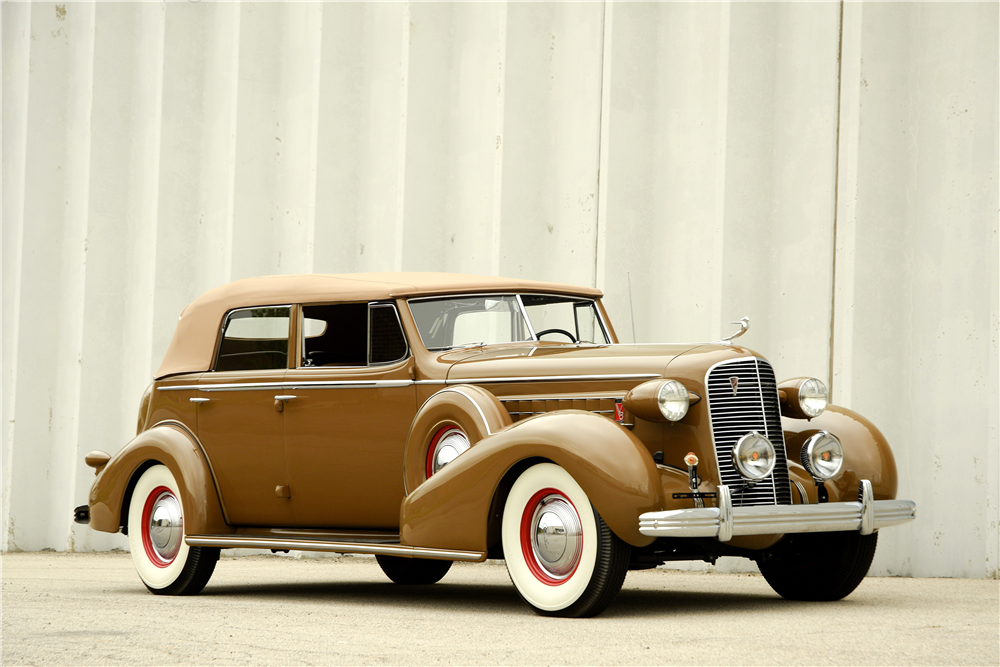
(341,458)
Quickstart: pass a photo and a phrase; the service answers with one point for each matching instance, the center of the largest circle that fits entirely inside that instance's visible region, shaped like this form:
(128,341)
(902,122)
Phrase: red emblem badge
(619,412)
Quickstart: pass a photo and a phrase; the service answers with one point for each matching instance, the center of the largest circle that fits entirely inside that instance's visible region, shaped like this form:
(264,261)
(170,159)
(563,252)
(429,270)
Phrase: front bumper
(725,521)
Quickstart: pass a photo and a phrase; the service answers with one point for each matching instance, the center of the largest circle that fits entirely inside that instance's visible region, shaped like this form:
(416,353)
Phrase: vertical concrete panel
(551,141)
(451,137)
(36,361)
(924,264)
(122,229)
(665,117)
(358,170)
(780,180)
(16,27)
(276,122)
(197,161)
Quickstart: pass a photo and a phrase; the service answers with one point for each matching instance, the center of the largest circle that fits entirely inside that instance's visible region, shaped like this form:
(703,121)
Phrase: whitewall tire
(562,558)
(165,563)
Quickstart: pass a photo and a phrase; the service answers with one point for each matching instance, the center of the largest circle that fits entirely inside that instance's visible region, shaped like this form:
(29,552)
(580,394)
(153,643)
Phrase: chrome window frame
(225,323)
(524,313)
(402,330)
(368,336)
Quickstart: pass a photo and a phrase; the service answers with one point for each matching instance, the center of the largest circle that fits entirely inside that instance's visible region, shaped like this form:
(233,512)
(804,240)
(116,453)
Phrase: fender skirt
(452,510)
(175,447)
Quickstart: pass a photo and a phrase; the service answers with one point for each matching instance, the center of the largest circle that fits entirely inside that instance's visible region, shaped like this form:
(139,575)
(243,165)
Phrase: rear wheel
(165,563)
(413,571)
(819,566)
(561,556)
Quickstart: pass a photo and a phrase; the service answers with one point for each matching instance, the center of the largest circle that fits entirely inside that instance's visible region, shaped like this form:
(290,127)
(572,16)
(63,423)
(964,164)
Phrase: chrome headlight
(822,455)
(813,397)
(672,398)
(753,456)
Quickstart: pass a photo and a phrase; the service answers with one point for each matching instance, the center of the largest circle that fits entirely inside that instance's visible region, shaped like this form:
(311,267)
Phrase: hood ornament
(744,325)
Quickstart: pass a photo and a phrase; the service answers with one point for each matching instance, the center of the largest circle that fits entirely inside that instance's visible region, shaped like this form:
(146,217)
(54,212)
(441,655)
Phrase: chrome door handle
(279,402)
(199,400)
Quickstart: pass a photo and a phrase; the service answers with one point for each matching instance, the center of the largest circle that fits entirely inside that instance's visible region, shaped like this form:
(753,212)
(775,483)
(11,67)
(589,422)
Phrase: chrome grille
(752,407)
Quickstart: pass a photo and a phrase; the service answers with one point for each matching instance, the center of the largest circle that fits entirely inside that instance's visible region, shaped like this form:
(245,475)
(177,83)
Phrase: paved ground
(84,609)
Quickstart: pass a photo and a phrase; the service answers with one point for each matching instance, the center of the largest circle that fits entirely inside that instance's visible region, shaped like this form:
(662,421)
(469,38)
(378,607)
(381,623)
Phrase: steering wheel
(539,334)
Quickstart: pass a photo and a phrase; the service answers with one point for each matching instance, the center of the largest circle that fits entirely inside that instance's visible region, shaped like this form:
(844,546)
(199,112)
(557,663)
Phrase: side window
(255,339)
(387,341)
(351,334)
(335,335)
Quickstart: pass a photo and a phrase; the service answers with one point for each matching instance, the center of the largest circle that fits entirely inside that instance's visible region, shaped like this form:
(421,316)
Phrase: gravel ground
(91,609)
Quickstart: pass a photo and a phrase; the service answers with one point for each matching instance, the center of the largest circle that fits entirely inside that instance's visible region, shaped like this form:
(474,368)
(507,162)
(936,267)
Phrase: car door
(346,428)
(240,422)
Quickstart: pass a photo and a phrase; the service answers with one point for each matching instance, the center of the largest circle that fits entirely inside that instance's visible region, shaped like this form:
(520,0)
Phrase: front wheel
(561,556)
(166,564)
(819,566)
(413,571)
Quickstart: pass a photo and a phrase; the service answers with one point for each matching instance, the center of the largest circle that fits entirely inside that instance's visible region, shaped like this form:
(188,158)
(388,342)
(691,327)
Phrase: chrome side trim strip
(775,519)
(557,378)
(246,542)
(306,384)
(381,384)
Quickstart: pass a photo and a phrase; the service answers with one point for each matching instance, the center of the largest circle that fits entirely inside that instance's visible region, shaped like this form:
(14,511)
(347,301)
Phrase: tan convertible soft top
(193,344)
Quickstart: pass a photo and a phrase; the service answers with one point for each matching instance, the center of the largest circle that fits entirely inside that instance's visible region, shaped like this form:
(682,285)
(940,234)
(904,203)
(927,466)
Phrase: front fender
(866,453)
(451,510)
(175,447)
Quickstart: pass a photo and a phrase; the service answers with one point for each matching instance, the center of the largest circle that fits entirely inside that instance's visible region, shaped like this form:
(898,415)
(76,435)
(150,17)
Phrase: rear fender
(172,445)
(866,453)
(452,509)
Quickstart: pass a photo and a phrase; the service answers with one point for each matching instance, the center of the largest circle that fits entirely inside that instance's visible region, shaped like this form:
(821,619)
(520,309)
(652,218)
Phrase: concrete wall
(828,169)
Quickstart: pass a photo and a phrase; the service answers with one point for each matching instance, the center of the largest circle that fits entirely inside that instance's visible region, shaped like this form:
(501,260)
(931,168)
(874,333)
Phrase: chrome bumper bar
(725,521)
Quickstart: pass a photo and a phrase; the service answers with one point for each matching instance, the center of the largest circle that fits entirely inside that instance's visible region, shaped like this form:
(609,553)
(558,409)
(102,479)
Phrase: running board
(280,543)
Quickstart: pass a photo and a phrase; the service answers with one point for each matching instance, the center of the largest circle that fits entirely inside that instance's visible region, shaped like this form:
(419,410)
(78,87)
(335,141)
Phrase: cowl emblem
(735,382)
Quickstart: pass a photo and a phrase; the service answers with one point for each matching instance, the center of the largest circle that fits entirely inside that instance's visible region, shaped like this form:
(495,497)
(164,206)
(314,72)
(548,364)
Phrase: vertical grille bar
(753,406)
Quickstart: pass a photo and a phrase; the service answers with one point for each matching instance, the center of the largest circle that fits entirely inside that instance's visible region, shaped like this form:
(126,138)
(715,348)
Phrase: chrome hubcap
(165,527)
(556,536)
(449,447)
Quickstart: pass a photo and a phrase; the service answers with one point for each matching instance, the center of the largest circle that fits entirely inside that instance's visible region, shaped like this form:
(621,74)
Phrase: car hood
(625,362)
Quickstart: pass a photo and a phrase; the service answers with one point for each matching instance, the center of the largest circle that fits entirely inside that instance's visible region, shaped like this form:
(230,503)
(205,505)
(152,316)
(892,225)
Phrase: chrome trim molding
(382,384)
(727,521)
(306,384)
(725,514)
(867,500)
(802,491)
(557,378)
(263,542)
(486,424)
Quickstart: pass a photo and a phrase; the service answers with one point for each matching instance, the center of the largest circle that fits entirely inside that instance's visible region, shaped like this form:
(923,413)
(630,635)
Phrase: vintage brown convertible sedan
(428,418)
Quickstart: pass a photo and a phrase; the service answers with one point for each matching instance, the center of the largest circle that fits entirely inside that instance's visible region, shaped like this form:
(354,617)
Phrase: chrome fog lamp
(753,456)
(822,455)
(813,397)
(672,399)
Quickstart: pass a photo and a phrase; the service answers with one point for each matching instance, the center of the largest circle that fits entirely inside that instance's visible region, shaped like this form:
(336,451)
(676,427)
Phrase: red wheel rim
(154,556)
(527,547)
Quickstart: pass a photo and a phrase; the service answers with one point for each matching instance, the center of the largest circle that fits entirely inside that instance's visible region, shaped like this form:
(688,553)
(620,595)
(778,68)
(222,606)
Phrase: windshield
(483,320)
